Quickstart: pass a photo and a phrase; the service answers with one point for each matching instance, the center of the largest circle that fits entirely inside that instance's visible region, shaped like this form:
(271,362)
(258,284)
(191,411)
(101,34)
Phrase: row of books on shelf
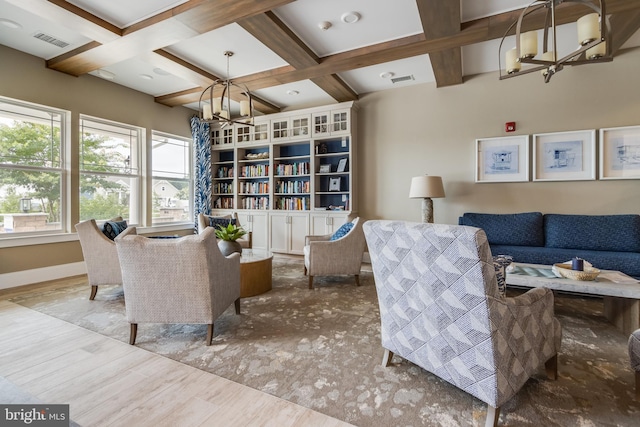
(261,187)
(293,203)
(223,188)
(223,203)
(224,172)
(293,187)
(255,203)
(254,171)
(301,168)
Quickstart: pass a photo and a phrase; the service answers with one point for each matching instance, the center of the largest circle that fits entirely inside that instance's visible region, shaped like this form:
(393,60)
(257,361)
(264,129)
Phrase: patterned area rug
(321,349)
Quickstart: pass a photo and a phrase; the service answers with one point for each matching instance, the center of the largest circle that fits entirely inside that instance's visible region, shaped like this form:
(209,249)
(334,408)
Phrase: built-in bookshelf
(289,165)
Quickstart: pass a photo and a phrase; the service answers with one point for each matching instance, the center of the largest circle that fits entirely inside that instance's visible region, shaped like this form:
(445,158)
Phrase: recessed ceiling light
(386,75)
(161,72)
(146,77)
(350,17)
(106,74)
(324,25)
(292,92)
(10,24)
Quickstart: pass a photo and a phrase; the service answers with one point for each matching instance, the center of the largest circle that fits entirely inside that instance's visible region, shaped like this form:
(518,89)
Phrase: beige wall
(25,77)
(421,129)
(401,132)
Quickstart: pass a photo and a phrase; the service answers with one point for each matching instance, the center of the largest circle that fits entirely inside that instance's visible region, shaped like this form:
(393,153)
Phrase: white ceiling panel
(380,21)
(123,13)
(475,9)
(379,77)
(300,94)
(207,52)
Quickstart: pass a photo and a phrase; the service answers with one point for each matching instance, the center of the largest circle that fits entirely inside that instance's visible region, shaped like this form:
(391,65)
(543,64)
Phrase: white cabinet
(288,231)
(258,224)
(294,127)
(326,223)
(259,132)
(331,123)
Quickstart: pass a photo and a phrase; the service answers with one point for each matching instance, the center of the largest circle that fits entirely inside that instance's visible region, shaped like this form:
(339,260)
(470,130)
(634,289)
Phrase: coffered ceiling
(291,54)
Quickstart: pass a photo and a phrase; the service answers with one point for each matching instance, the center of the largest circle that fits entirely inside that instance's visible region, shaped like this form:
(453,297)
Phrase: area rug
(321,349)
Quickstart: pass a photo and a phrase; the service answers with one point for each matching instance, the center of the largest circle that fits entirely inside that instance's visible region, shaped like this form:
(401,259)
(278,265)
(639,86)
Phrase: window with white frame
(110,172)
(32,168)
(172,186)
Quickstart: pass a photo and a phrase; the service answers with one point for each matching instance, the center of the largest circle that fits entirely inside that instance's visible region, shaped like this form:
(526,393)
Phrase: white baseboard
(38,275)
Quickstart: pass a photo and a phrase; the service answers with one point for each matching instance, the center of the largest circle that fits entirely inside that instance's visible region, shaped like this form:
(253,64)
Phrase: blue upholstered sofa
(609,242)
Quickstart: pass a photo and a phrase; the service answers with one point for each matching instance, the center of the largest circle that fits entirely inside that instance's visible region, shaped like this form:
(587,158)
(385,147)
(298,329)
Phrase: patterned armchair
(100,256)
(205,221)
(183,280)
(343,255)
(634,356)
(440,308)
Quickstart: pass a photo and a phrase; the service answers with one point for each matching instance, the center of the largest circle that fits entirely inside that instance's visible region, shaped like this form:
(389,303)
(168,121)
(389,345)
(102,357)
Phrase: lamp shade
(426,186)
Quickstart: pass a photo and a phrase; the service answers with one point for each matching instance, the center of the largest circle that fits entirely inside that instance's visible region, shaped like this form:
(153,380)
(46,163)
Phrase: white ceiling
(380,21)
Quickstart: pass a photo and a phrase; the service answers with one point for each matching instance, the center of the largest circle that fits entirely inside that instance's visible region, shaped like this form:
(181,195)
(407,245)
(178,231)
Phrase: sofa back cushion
(520,229)
(619,233)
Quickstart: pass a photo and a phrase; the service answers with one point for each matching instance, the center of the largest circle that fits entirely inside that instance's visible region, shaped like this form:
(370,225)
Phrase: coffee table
(620,293)
(255,272)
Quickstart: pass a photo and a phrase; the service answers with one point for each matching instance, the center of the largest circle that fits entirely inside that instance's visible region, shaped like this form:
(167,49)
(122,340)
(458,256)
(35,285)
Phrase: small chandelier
(593,32)
(214,105)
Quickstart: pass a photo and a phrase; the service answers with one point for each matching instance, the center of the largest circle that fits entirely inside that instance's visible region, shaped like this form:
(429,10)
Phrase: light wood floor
(108,382)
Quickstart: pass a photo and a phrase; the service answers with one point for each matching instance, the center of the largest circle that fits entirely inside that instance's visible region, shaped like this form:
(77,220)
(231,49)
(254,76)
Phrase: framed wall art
(564,156)
(620,153)
(502,159)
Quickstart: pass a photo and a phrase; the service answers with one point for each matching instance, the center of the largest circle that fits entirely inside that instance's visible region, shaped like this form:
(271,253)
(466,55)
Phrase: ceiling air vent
(50,39)
(402,79)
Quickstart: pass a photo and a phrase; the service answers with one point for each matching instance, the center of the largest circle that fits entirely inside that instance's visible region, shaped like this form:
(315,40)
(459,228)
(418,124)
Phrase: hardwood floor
(108,382)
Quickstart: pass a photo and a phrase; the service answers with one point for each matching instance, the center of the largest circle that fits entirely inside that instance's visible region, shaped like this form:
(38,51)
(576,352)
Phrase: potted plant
(228,236)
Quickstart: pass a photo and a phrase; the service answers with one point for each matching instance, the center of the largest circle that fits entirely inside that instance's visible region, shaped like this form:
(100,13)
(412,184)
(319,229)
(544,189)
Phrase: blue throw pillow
(216,221)
(342,231)
(112,228)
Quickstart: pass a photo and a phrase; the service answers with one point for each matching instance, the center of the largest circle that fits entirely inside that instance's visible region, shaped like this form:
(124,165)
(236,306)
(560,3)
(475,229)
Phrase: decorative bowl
(565,270)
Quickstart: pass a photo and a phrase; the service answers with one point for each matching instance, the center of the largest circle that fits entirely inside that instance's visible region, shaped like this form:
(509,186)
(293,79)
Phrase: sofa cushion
(342,231)
(112,228)
(520,229)
(618,233)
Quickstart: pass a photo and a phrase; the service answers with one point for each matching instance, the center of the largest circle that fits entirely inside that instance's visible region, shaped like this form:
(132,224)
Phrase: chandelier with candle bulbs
(214,105)
(592,46)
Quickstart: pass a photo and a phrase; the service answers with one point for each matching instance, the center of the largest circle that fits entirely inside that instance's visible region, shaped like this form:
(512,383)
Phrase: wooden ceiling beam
(626,25)
(441,18)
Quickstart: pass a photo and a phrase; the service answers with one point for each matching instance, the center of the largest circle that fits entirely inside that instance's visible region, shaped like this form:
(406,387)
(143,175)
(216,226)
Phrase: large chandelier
(214,106)
(593,32)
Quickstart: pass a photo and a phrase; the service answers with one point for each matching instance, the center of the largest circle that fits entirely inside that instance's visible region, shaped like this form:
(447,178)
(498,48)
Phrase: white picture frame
(502,159)
(619,153)
(564,156)
(334,184)
(325,168)
(342,165)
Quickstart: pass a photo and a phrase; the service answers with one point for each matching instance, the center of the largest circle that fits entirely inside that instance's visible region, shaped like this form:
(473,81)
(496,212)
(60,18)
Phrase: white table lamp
(426,187)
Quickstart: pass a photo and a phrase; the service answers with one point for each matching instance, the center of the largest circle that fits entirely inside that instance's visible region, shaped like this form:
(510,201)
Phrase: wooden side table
(255,272)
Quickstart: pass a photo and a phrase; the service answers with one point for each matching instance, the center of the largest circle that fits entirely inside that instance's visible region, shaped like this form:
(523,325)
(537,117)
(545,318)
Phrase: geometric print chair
(440,308)
(634,357)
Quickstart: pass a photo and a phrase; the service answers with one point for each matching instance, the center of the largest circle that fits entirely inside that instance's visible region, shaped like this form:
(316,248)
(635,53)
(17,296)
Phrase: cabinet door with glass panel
(331,123)
(291,176)
(253,177)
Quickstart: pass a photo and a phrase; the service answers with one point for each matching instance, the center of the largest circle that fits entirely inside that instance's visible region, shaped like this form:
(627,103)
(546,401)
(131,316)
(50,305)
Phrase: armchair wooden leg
(237,304)
(310,282)
(132,334)
(94,291)
(638,386)
(492,416)
(357,280)
(551,367)
(386,359)
(209,333)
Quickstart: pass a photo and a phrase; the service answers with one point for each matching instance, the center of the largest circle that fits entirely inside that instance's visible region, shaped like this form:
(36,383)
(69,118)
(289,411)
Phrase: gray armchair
(100,256)
(245,241)
(343,256)
(440,308)
(182,280)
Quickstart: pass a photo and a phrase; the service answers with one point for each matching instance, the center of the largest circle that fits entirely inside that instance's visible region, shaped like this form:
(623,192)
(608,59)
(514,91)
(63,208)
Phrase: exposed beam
(624,25)
(274,34)
(172,26)
(441,18)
